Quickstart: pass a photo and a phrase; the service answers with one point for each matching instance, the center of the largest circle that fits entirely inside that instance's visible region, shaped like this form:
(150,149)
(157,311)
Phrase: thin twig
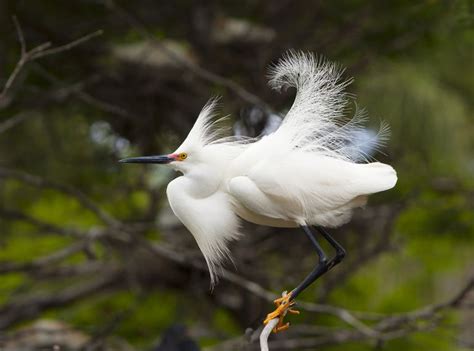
(13,121)
(21,37)
(68,46)
(37,52)
(78,90)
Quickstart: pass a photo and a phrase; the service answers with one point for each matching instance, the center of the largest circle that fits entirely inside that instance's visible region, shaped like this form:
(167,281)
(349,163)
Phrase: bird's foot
(284,305)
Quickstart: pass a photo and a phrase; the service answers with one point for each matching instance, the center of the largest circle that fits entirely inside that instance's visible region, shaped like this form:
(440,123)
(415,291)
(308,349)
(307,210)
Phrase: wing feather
(317,189)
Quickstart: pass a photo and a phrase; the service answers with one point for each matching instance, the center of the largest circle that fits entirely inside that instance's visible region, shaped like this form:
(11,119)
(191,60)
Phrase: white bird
(304,174)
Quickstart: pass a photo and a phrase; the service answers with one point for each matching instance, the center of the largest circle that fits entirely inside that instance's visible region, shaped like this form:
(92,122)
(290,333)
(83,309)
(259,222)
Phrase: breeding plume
(308,173)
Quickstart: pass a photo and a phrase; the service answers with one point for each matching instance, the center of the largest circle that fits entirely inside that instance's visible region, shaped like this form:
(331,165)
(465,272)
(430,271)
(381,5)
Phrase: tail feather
(375,177)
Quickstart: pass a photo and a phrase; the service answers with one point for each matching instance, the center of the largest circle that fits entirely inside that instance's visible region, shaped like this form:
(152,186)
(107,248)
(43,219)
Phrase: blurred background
(91,256)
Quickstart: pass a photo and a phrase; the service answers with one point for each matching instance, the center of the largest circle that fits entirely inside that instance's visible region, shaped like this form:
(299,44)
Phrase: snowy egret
(305,174)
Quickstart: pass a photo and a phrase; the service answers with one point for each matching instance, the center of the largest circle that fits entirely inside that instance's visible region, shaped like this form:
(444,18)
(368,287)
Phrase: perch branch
(266,333)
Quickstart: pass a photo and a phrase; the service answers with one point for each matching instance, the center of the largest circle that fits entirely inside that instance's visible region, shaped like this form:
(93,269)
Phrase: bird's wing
(306,169)
(301,189)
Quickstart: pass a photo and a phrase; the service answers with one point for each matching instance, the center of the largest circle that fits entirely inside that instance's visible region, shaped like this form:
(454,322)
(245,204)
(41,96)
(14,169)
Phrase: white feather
(315,123)
(205,130)
(303,173)
(211,220)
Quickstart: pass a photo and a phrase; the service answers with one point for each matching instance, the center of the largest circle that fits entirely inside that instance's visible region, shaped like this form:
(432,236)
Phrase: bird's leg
(321,268)
(324,265)
(340,251)
(285,303)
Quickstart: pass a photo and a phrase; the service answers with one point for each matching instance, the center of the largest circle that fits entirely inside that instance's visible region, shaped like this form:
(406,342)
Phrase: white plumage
(303,173)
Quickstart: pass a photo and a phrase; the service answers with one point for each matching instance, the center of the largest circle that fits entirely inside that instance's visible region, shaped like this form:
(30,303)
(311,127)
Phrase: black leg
(323,264)
(340,251)
(318,271)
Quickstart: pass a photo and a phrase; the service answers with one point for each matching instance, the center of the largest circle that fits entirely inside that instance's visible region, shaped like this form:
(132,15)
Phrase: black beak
(163,159)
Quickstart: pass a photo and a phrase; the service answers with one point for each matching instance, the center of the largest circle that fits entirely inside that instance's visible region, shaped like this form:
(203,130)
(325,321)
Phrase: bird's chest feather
(198,211)
(210,219)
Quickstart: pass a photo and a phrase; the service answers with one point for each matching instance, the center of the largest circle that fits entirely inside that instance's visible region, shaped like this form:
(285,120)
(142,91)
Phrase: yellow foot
(283,305)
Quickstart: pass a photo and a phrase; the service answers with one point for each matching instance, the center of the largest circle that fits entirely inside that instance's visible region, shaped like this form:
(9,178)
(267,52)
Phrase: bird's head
(192,152)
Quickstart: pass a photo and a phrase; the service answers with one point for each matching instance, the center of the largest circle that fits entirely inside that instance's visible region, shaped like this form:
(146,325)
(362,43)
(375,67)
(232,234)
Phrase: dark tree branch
(27,308)
(14,215)
(28,56)
(39,182)
(13,121)
(58,256)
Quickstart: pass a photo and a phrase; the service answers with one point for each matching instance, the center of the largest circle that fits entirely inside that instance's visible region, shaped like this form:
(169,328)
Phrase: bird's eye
(182,156)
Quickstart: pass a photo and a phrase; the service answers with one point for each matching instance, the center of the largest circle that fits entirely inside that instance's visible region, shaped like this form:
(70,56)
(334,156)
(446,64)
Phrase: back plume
(315,123)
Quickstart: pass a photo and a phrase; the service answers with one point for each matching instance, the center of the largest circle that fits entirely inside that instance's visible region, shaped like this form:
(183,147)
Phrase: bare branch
(41,225)
(13,121)
(68,46)
(266,333)
(21,37)
(426,312)
(10,80)
(37,52)
(8,267)
(30,307)
(67,271)
(53,258)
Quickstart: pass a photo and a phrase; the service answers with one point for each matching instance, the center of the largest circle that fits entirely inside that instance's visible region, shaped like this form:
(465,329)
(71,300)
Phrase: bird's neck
(200,182)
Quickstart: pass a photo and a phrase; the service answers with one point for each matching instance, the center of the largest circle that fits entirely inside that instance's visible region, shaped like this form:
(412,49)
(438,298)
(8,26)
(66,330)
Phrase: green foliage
(441,216)
(429,268)
(10,283)
(147,316)
(429,121)
(25,247)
